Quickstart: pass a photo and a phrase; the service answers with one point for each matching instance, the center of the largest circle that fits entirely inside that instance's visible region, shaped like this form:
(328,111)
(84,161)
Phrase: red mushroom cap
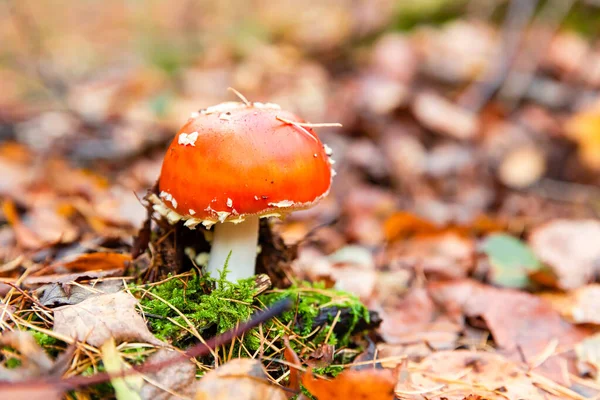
(237,159)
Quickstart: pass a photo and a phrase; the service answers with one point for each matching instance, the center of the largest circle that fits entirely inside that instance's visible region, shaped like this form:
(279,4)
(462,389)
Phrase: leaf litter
(463,221)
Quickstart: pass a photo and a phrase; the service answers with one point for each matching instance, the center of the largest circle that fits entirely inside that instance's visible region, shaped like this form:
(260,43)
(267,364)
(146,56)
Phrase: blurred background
(482,114)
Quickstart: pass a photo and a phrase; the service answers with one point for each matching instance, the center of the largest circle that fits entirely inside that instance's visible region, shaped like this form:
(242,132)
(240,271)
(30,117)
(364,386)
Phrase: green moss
(213,306)
(102,390)
(331,370)
(12,363)
(317,306)
(178,303)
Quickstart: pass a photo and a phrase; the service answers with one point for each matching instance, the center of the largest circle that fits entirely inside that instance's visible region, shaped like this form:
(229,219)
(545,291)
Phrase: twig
(518,82)
(479,93)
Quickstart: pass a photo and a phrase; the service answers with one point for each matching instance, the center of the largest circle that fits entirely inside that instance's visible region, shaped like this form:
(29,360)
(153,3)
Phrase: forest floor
(456,257)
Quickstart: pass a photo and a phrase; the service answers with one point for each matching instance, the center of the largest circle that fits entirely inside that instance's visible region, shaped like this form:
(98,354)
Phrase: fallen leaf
(353,270)
(34,360)
(240,379)
(416,319)
(34,363)
(579,306)
(584,129)
(404,224)
(178,378)
(442,116)
(24,236)
(511,261)
(294,361)
(100,318)
(91,262)
(570,249)
(126,388)
(61,294)
(588,356)
(447,255)
(515,319)
(455,375)
(370,384)
(35,281)
(39,391)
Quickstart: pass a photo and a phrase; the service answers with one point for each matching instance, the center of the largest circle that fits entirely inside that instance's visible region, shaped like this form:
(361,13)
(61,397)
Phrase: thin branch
(479,93)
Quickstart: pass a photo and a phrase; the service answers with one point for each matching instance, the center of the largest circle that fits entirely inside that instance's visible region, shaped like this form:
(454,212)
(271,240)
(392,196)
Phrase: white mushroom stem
(241,240)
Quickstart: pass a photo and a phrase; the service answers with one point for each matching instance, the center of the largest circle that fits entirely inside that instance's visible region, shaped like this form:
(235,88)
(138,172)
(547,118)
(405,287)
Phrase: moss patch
(212,306)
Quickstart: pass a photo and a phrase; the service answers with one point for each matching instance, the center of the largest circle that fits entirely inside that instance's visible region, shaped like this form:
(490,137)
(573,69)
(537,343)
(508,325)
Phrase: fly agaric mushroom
(234,163)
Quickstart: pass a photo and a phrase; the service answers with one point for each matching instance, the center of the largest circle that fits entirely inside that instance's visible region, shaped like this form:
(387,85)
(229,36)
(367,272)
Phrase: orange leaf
(404,224)
(291,357)
(371,384)
(24,236)
(91,262)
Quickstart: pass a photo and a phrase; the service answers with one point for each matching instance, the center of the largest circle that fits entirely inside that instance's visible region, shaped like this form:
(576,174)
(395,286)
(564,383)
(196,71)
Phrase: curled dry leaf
(240,379)
(61,294)
(100,318)
(370,384)
(570,248)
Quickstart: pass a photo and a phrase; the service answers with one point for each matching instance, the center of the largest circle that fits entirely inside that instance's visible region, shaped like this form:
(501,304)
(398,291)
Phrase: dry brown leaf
(515,318)
(370,384)
(404,224)
(570,248)
(446,255)
(99,318)
(442,116)
(61,294)
(39,391)
(240,379)
(292,358)
(415,319)
(178,378)
(579,306)
(588,356)
(35,281)
(34,361)
(463,373)
(24,236)
(100,261)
